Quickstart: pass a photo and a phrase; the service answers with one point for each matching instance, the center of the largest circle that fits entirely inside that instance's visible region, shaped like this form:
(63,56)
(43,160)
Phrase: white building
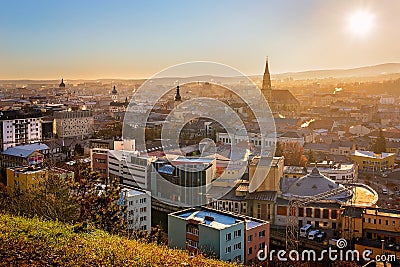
(131,168)
(20,127)
(138,208)
(255,138)
(338,172)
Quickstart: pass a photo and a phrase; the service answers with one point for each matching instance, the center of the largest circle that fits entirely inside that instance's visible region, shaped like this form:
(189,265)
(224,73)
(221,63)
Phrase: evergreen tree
(278,149)
(311,156)
(380,143)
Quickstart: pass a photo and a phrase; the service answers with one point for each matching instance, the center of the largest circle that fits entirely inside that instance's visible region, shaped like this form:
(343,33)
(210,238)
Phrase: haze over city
(136,39)
(200,133)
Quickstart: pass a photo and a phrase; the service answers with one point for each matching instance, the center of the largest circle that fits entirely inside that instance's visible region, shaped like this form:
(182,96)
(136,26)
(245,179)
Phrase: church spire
(266,88)
(266,85)
(177,94)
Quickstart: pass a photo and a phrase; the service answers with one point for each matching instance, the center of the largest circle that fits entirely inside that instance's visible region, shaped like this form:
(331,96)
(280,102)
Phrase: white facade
(130,167)
(20,131)
(339,172)
(257,139)
(138,209)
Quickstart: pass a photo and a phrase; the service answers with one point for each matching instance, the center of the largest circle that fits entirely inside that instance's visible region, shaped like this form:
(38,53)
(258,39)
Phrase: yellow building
(381,224)
(25,178)
(371,162)
(267,179)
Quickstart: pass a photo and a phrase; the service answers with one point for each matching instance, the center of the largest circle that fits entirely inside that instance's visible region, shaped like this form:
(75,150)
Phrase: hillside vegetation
(35,242)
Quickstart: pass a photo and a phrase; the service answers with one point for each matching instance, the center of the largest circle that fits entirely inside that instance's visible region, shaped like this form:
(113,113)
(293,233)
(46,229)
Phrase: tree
(50,199)
(278,149)
(98,201)
(293,153)
(380,143)
(311,156)
(79,149)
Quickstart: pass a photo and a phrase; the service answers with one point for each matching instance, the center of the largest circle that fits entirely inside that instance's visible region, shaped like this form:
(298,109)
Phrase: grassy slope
(36,242)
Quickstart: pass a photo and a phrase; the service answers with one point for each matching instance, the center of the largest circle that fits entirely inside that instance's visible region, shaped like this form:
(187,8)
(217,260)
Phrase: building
(132,169)
(183,181)
(20,127)
(324,213)
(138,208)
(342,148)
(117,108)
(26,155)
(281,102)
(76,124)
(368,161)
(229,237)
(29,177)
(337,171)
(98,155)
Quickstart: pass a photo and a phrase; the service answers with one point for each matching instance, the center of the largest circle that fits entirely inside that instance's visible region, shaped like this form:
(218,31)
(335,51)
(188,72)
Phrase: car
(305,230)
(384,191)
(321,236)
(313,234)
(384,175)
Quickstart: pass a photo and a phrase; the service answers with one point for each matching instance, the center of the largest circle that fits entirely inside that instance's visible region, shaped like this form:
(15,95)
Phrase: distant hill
(368,71)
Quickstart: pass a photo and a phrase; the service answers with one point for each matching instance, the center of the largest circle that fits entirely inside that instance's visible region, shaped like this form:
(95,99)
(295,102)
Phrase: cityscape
(284,153)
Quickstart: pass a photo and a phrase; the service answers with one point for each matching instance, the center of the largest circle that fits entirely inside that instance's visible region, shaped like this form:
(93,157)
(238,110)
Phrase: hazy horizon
(90,40)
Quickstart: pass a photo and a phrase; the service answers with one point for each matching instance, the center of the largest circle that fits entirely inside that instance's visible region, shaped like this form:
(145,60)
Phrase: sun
(361,22)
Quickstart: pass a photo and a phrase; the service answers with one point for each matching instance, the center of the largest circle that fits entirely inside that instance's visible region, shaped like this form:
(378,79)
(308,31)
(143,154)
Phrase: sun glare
(361,22)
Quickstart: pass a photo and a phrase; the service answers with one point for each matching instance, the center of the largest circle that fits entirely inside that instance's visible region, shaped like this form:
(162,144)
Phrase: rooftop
(217,219)
(371,154)
(25,150)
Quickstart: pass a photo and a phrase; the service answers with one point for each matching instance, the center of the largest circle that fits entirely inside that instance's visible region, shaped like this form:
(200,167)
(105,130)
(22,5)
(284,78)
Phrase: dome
(313,184)
(62,84)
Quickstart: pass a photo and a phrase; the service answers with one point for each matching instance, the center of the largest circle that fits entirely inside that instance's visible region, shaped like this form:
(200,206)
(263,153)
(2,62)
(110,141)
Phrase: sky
(91,39)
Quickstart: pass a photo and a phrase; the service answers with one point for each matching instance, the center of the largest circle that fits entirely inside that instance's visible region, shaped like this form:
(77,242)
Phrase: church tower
(62,84)
(178,95)
(177,98)
(266,84)
(114,94)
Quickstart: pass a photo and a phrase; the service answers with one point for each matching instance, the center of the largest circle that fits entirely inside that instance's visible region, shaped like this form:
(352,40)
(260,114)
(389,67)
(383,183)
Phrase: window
(250,238)
(228,250)
(281,210)
(237,246)
(325,214)
(301,212)
(193,230)
(334,214)
(261,246)
(262,233)
(250,250)
(387,222)
(237,233)
(228,237)
(317,213)
(192,243)
(393,223)
(308,212)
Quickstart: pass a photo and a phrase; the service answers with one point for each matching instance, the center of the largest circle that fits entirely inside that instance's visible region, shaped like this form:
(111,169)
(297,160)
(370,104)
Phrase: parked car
(384,191)
(321,236)
(313,234)
(305,230)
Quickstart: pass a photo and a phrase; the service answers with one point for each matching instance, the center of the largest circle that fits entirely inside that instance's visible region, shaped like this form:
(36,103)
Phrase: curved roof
(313,184)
